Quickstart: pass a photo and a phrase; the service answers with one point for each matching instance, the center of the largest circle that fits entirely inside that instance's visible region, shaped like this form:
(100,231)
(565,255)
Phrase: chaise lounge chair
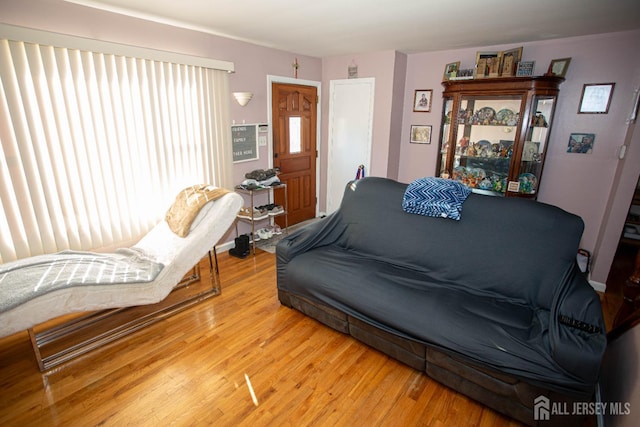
(26,302)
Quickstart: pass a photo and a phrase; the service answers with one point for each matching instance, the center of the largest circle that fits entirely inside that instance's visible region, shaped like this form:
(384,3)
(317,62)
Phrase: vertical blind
(95,146)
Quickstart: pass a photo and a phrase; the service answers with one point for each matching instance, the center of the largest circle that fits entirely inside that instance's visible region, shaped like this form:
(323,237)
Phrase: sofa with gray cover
(492,305)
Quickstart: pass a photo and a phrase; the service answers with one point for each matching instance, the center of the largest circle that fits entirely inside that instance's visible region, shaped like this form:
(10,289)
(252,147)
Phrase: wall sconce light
(243,98)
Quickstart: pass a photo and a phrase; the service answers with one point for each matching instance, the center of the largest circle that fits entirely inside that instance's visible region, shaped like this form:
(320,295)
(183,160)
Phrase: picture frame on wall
(559,67)
(581,143)
(451,70)
(422,100)
(510,60)
(596,98)
(420,134)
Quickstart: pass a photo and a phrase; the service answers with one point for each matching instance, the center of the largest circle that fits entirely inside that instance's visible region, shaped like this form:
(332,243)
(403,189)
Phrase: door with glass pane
(294,147)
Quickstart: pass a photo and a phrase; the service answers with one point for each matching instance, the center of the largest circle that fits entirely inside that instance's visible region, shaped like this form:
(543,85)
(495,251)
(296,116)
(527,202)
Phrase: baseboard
(224,247)
(598,286)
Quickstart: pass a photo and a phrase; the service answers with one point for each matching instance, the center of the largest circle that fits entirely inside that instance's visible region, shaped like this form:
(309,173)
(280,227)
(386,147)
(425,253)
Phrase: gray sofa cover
(492,305)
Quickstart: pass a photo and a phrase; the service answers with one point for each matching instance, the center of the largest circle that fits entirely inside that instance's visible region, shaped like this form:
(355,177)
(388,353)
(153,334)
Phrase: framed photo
(510,59)
(525,68)
(531,151)
(451,70)
(581,143)
(464,74)
(559,67)
(420,134)
(422,100)
(488,64)
(596,98)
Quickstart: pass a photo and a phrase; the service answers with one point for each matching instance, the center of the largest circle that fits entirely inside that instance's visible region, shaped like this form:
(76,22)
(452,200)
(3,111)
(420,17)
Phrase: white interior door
(350,134)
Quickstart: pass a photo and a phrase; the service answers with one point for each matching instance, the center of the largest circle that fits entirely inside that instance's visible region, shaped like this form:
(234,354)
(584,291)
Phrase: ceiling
(322,28)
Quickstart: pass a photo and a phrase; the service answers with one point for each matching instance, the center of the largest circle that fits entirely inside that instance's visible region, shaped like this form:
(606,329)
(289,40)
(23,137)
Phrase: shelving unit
(270,199)
(495,133)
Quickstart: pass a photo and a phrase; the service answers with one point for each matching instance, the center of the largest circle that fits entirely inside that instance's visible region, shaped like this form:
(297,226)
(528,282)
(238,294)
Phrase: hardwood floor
(203,366)
(196,368)
(614,307)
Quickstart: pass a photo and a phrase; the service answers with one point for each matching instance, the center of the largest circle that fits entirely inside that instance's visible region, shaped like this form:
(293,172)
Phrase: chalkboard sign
(244,142)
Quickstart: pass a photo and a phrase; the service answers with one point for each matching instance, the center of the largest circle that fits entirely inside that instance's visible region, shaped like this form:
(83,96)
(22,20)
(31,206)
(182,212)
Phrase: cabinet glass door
(535,145)
(487,129)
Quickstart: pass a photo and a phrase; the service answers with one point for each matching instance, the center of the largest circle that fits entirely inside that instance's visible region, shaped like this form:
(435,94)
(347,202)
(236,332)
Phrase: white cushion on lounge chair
(178,254)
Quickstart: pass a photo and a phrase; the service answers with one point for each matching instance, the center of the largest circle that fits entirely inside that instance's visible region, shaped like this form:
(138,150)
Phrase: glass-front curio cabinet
(495,133)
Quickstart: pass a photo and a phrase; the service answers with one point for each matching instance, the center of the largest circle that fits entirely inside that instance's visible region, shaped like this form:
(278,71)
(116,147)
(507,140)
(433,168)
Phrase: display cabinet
(495,133)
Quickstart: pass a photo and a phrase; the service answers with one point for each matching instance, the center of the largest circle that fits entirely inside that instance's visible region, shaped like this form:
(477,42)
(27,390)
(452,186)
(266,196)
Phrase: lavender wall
(379,65)
(578,183)
(595,186)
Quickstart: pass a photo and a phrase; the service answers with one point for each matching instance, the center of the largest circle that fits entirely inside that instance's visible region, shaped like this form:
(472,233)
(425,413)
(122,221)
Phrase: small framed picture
(596,98)
(581,143)
(531,151)
(465,74)
(420,134)
(422,100)
(451,70)
(559,67)
(525,68)
(488,64)
(510,59)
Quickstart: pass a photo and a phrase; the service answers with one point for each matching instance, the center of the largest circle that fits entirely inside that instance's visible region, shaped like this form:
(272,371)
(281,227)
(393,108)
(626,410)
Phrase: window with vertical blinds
(95,146)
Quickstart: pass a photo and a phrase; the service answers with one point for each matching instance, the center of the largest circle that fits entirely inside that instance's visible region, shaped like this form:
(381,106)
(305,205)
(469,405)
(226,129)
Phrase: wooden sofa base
(506,394)
(62,340)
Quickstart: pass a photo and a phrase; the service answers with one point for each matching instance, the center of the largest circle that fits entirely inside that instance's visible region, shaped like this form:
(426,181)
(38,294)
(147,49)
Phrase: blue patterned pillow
(436,197)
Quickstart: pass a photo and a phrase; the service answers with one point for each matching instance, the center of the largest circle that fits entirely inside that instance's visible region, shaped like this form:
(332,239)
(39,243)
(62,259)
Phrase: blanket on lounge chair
(66,269)
(182,215)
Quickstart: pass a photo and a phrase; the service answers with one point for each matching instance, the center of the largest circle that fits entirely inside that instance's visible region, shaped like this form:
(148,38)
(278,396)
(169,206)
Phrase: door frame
(318,85)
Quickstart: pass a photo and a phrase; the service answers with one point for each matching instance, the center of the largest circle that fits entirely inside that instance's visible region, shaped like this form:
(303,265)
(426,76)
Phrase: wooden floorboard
(197,368)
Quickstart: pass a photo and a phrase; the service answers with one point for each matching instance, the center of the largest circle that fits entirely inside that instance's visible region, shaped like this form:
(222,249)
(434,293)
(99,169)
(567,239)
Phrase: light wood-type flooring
(238,359)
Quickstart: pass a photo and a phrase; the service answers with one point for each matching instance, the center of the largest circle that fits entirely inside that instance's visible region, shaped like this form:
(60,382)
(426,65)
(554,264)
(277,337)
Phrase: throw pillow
(188,203)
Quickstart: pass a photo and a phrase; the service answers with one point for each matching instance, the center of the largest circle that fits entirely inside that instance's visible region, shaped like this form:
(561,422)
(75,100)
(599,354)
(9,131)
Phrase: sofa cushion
(491,329)
(501,246)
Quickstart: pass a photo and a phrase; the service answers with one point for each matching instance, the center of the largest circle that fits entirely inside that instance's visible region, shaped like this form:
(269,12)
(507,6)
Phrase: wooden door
(294,148)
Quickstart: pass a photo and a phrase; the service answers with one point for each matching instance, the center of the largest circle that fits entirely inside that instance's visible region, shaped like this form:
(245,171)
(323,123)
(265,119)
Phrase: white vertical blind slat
(10,223)
(62,211)
(46,145)
(20,99)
